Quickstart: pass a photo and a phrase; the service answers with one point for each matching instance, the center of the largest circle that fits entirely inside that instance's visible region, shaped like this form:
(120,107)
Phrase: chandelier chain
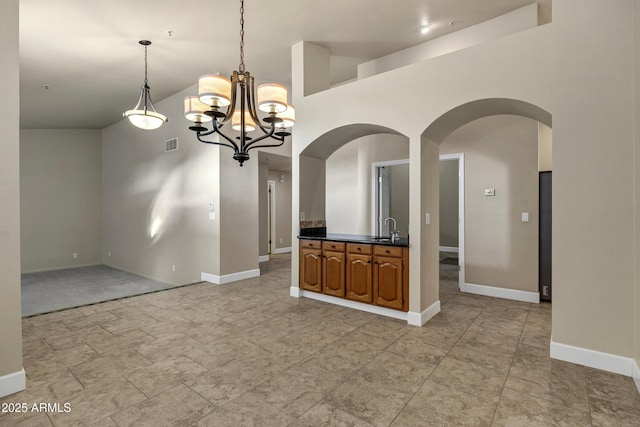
(241,67)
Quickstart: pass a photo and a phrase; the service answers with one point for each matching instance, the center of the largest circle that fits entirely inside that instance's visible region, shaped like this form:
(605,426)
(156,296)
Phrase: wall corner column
(309,70)
(12,376)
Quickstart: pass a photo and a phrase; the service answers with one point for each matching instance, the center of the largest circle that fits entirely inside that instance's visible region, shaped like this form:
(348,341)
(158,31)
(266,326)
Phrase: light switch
(427,218)
(489,191)
(525,216)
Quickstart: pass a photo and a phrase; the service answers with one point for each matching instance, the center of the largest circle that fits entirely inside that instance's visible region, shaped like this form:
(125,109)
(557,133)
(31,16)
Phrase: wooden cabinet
(388,275)
(391,277)
(359,278)
(372,274)
(333,276)
(311,269)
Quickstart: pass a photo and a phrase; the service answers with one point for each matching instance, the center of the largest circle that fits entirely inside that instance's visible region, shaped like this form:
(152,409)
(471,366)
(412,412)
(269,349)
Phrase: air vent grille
(171,144)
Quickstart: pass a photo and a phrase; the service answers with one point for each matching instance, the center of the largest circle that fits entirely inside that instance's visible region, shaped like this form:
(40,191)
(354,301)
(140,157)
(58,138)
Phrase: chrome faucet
(395,234)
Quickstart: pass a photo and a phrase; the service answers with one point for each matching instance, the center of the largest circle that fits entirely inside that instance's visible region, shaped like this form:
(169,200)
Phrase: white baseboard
(636,375)
(492,291)
(448,249)
(263,258)
(282,250)
(228,278)
(295,292)
(593,359)
(352,304)
(12,383)
(419,319)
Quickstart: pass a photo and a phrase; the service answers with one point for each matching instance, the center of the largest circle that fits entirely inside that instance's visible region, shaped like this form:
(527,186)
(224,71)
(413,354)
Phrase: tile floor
(247,354)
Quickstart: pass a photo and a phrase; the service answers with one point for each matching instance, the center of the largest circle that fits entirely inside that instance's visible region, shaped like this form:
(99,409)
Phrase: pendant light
(143,115)
(216,103)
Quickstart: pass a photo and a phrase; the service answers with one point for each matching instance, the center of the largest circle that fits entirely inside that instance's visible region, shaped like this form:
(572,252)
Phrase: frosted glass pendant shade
(288,117)
(249,124)
(272,98)
(214,90)
(147,120)
(194,109)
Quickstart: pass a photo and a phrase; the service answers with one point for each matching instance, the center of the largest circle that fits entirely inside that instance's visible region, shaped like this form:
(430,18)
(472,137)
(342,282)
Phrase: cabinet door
(333,274)
(311,269)
(359,278)
(388,290)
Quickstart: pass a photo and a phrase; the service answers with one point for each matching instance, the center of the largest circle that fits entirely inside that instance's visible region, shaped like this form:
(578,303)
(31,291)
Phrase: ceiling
(87,54)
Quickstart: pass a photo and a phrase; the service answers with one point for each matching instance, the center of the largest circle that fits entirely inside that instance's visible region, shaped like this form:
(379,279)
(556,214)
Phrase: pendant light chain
(241,67)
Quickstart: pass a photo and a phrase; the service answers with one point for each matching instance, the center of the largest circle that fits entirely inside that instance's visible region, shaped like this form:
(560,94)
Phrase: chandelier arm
(252,105)
(260,138)
(232,107)
(281,139)
(217,130)
(213,142)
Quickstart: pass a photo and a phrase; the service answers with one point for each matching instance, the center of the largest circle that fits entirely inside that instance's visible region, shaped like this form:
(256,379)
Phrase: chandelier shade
(272,97)
(236,122)
(144,115)
(233,102)
(214,90)
(288,117)
(194,109)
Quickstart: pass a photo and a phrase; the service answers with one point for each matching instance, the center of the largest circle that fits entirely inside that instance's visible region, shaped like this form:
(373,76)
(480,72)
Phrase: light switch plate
(427,218)
(489,191)
(525,216)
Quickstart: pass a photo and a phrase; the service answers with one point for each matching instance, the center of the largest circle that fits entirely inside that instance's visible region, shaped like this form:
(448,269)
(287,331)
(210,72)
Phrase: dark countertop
(356,238)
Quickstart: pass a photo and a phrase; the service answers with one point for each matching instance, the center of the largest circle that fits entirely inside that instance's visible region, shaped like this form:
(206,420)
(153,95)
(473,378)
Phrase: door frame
(375,194)
(271,215)
(461,216)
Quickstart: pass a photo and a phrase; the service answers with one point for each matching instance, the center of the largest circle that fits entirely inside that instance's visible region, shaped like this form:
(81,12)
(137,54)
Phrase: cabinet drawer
(388,250)
(314,244)
(355,248)
(333,246)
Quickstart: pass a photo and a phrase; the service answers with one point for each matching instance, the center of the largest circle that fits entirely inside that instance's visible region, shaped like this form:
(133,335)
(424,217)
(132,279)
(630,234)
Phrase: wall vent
(171,144)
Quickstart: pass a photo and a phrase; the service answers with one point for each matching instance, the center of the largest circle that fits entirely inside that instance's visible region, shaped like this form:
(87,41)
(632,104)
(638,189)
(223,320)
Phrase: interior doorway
(390,196)
(452,216)
(271,215)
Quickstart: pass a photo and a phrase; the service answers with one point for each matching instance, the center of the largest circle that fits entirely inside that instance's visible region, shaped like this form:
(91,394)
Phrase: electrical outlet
(109,253)
(173,268)
(281,240)
(75,254)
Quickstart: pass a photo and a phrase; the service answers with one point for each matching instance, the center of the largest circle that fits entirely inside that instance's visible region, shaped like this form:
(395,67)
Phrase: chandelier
(217,102)
(143,115)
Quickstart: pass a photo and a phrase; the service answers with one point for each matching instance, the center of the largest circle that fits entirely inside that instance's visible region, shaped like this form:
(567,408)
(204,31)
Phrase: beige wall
(399,197)
(545,148)
(547,67)
(500,152)
(449,203)
(636,333)
(60,198)
(593,176)
(283,208)
(311,191)
(10,323)
(156,203)
(263,206)
(349,179)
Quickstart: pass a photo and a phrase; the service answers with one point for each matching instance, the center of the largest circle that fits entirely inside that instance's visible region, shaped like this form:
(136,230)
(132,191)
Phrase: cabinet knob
(387,251)
(368,262)
(333,246)
(375,262)
(359,249)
